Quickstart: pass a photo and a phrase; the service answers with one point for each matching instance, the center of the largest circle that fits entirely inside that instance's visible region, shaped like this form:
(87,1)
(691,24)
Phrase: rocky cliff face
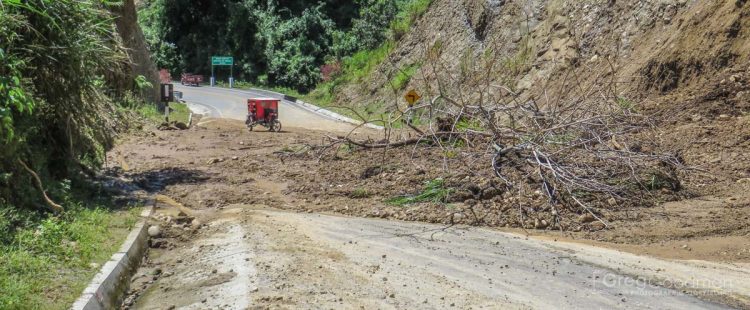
(139,56)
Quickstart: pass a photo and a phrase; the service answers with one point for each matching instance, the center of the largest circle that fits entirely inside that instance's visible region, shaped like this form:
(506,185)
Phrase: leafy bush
(60,63)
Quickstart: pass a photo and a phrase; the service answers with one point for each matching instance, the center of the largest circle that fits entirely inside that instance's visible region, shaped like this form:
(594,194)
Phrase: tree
(296,47)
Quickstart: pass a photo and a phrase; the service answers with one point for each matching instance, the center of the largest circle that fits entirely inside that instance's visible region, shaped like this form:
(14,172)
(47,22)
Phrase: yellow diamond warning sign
(412,96)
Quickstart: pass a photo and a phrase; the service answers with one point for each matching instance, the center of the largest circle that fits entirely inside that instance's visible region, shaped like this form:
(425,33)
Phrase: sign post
(167,96)
(222,61)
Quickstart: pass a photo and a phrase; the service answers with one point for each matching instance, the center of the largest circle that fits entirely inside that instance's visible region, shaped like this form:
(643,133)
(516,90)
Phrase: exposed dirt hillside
(657,47)
(682,63)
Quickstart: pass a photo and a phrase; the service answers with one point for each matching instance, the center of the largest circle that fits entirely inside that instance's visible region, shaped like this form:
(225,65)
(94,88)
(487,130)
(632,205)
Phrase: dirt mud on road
(239,231)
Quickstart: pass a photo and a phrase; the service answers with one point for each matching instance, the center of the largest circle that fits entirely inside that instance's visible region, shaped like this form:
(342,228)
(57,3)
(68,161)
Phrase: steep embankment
(133,40)
(682,62)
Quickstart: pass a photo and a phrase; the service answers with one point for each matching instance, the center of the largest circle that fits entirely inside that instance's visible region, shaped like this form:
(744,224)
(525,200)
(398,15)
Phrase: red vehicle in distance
(191,79)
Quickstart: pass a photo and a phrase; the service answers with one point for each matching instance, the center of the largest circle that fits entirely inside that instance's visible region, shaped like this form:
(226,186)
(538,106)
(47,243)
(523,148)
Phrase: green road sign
(222,60)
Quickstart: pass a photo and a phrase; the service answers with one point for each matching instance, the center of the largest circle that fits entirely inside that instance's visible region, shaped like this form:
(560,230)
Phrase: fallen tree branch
(409,141)
(38,182)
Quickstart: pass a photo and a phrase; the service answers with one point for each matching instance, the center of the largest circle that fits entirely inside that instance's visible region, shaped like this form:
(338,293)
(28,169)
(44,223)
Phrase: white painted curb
(329,113)
(109,285)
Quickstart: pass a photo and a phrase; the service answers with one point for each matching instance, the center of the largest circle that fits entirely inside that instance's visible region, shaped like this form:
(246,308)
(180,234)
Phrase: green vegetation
(625,104)
(362,63)
(465,124)
(404,76)
(656,180)
(434,191)
(278,43)
(179,112)
(150,112)
(359,193)
(47,265)
(64,85)
(407,16)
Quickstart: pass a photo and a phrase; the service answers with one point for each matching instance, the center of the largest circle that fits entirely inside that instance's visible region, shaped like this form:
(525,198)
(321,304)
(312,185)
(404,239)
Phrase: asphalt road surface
(249,258)
(232,103)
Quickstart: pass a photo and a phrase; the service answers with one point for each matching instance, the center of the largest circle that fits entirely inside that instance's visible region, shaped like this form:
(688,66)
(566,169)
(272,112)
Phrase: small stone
(196,224)
(235,158)
(540,224)
(214,271)
(213,161)
(154,231)
(586,218)
(612,202)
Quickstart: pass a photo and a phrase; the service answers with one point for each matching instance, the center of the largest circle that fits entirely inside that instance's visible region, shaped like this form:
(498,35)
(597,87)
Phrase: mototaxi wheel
(275,125)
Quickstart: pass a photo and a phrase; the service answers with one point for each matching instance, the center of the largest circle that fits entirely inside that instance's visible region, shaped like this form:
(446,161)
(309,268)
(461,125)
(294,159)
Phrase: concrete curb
(335,115)
(109,285)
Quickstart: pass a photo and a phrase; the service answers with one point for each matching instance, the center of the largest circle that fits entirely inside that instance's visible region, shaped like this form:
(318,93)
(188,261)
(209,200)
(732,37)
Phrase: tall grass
(404,75)
(48,265)
(412,11)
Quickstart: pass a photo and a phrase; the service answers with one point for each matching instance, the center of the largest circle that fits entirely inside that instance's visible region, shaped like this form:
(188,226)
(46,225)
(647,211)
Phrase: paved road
(260,259)
(232,103)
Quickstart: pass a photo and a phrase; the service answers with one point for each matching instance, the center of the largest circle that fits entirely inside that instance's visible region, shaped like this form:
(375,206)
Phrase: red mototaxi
(264,112)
